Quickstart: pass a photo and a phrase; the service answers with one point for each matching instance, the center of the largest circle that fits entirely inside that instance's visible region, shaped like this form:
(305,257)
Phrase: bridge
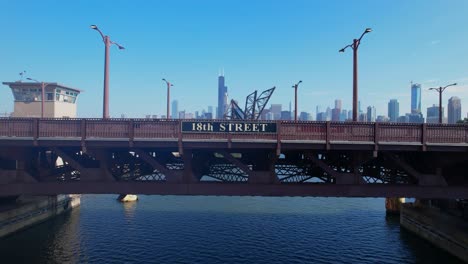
(228,157)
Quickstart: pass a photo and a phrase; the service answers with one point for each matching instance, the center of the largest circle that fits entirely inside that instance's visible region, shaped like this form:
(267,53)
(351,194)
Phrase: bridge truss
(303,159)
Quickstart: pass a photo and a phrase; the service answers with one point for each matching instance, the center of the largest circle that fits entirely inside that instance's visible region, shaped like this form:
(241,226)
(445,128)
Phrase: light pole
(295,100)
(168,96)
(43,86)
(440,90)
(107,44)
(355,46)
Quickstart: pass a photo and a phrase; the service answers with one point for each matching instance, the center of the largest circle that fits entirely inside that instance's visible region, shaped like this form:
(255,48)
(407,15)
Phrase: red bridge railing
(286,130)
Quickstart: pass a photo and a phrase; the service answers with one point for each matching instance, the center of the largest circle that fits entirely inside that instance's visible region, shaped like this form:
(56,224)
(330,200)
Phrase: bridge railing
(400,132)
(286,130)
(303,130)
(59,128)
(447,133)
(17,127)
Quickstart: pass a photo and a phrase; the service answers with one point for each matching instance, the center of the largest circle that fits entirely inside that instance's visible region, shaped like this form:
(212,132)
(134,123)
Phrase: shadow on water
(55,240)
(422,251)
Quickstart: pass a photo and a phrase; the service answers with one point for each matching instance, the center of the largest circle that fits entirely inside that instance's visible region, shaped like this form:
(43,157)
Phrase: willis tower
(222,97)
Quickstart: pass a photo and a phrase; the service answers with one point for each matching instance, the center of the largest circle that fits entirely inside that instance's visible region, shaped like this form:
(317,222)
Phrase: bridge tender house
(229,127)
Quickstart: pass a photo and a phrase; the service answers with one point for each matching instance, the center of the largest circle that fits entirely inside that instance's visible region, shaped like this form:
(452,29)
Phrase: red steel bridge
(229,157)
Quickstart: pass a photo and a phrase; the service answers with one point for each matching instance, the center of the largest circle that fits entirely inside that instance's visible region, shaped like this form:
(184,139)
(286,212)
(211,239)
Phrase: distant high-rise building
(329,113)
(304,116)
(454,110)
(433,114)
(362,117)
(270,116)
(210,109)
(222,93)
(338,103)
(175,109)
(350,115)
(381,118)
(336,112)
(371,114)
(322,116)
(285,115)
(403,119)
(343,115)
(393,110)
(415,118)
(276,109)
(415,98)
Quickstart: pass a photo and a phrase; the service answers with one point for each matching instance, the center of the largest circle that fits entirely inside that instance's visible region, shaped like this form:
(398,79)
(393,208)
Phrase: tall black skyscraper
(222,95)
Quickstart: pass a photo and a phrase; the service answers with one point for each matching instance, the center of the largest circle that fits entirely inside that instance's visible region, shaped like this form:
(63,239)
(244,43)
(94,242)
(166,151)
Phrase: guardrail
(286,130)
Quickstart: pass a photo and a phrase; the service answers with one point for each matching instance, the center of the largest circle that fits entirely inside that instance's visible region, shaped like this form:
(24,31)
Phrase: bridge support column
(393,205)
(188,175)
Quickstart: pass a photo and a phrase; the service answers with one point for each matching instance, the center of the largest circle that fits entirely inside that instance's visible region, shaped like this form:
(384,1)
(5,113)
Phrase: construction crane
(254,106)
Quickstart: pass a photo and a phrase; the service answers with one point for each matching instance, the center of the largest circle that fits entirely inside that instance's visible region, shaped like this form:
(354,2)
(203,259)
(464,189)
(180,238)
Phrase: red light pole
(440,90)
(295,100)
(107,44)
(43,86)
(168,97)
(355,46)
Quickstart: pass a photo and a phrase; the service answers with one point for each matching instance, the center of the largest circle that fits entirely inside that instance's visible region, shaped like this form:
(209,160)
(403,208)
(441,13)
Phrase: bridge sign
(228,127)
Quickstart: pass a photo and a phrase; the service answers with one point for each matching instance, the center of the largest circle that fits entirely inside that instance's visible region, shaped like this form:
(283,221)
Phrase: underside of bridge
(230,171)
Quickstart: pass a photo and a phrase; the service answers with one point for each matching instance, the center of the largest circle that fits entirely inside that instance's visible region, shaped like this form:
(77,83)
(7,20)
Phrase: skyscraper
(222,93)
(433,114)
(393,110)
(415,98)
(371,114)
(338,103)
(276,109)
(175,109)
(336,112)
(454,110)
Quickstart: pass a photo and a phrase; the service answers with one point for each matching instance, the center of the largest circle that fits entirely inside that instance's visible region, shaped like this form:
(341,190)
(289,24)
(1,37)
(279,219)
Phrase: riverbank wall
(445,231)
(28,211)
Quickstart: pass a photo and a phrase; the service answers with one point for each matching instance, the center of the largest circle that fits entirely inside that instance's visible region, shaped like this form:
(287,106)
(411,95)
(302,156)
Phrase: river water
(200,229)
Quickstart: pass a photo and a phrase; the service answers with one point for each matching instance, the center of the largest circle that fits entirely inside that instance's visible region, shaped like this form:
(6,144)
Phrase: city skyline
(256,53)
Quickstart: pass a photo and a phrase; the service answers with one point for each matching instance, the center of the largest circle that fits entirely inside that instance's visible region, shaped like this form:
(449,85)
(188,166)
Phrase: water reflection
(129,210)
(183,229)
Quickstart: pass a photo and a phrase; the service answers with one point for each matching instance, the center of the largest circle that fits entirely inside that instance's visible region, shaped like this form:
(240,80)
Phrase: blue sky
(260,44)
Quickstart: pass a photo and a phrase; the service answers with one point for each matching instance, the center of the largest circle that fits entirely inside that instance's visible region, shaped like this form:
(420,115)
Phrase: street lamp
(43,86)
(107,43)
(355,46)
(168,96)
(295,100)
(440,90)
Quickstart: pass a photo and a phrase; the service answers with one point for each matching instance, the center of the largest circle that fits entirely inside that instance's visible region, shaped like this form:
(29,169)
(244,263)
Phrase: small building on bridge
(60,101)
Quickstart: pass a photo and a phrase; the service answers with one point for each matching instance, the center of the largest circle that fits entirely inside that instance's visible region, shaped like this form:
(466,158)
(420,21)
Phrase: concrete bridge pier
(393,204)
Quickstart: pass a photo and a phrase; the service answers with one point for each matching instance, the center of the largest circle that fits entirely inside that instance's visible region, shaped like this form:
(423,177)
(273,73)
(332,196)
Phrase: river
(201,229)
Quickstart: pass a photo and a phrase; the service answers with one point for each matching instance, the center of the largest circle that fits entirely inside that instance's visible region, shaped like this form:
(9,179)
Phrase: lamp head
(299,82)
(368,30)
(164,80)
(341,50)
(94,27)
